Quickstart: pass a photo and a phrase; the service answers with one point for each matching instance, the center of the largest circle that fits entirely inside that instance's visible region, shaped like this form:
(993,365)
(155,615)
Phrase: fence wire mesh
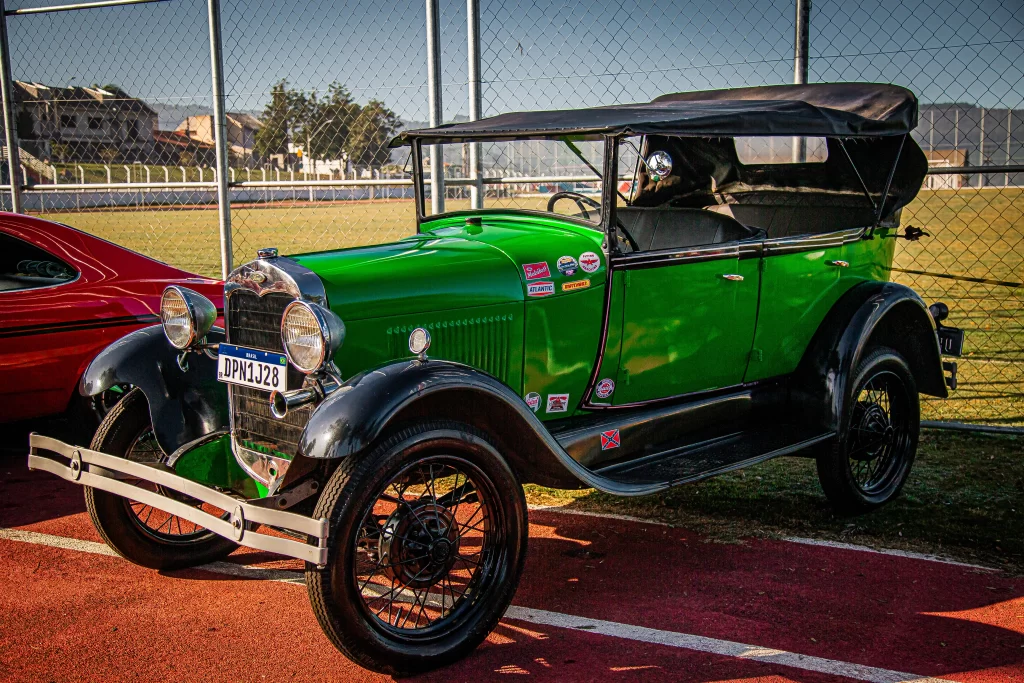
(316,89)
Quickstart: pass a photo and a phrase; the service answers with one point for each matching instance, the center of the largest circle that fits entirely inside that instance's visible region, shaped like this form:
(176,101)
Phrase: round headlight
(310,335)
(186,316)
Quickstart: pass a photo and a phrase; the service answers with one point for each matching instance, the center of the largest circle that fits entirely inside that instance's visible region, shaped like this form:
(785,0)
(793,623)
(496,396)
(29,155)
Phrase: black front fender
(358,413)
(870,314)
(183,405)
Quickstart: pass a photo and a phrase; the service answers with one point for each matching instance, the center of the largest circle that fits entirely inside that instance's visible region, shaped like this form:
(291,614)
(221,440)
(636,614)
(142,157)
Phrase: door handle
(838,264)
(732,277)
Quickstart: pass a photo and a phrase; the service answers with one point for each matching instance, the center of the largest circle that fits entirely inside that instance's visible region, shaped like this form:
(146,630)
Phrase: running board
(709,458)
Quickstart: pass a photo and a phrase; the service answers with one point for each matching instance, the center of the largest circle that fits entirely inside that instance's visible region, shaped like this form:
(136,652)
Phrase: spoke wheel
(428,539)
(427,546)
(879,432)
(868,463)
(161,526)
(140,533)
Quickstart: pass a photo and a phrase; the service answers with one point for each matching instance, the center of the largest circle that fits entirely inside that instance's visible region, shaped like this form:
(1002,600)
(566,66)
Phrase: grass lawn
(974,233)
(964,500)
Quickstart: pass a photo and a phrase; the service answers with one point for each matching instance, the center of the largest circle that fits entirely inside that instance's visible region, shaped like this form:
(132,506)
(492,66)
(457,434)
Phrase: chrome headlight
(186,316)
(310,334)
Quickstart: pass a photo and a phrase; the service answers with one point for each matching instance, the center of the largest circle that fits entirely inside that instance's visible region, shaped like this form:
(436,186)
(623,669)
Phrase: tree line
(327,126)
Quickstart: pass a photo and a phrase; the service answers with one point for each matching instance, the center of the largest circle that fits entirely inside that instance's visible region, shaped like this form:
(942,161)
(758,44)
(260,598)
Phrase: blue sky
(535,54)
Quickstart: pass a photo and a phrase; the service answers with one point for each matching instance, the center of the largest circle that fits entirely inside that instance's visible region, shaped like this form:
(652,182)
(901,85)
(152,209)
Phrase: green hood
(451,265)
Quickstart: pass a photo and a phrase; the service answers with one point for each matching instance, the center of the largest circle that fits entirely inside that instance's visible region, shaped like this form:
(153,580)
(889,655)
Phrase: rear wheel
(868,464)
(141,533)
(428,537)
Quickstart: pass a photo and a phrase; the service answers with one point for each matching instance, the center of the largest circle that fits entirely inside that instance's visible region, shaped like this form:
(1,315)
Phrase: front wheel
(869,462)
(428,537)
(137,532)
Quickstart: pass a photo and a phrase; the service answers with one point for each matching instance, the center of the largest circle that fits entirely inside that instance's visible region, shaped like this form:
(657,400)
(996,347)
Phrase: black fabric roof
(819,110)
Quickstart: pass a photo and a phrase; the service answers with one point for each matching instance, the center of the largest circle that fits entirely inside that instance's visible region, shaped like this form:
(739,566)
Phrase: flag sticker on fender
(589,262)
(534,271)
(610,439)
(558,403)
(540,288)
(575,284)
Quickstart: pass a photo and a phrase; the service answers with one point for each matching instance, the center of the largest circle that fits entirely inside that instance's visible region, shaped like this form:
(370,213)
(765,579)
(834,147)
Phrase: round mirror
(659,165)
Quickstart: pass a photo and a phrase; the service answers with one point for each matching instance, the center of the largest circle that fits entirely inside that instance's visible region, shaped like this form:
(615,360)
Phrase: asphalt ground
(601,599)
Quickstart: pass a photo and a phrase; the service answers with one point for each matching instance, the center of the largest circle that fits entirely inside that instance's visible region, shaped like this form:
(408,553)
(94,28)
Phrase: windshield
(561,177)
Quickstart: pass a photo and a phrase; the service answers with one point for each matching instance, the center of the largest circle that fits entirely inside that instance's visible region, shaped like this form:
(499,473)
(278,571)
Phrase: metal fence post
(10,119)
(434,104)
(801,40)
(220,138)
(476,190)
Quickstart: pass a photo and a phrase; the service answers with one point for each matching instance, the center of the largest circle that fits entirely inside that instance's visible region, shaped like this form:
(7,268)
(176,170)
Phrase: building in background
(83,124)
(174,148)
(241,134)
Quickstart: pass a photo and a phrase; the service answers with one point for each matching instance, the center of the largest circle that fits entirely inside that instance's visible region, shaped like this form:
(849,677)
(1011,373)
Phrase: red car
(64,296)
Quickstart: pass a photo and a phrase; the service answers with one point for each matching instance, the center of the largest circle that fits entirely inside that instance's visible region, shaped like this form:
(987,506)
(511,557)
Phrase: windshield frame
(608,188)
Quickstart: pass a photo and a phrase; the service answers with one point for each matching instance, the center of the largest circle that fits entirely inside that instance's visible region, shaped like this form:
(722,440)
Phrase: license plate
(951,341)
(252,368)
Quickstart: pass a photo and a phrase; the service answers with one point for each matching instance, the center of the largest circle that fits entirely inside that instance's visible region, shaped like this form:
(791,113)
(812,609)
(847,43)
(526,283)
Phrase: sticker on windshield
(610,439)
(589,261)
(540,288)
(533,401)
(558,403)
(604,388)
(575,284)
(567,266)
(536,270)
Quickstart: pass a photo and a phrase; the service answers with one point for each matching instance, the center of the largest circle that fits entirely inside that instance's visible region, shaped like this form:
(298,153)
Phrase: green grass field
(974,233)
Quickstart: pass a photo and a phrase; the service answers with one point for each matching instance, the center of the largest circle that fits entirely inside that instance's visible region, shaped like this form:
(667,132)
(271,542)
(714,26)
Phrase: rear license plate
(951,341)
(252,368)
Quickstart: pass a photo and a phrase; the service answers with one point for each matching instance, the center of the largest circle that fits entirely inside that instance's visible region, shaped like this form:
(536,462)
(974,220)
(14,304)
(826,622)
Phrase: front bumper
(117,475)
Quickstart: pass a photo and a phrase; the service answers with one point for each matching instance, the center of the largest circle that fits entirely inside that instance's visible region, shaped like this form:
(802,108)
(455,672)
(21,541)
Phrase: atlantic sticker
(604,388)
(589,262)
(575,284)
(533,401)
(567,265)
(610,440)
(558,403)
(534,271)
(540,288)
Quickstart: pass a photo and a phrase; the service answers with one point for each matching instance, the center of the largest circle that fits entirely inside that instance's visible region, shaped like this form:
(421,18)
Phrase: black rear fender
(869,315)
(183,405)
(378,401)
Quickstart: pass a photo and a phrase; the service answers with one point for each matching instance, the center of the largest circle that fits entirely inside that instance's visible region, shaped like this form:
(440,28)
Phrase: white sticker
(589,261)
(558,403)
(540,288)
(604,388)
(533,401)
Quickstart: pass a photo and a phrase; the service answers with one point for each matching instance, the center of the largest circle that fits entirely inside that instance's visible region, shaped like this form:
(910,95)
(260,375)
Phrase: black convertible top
(847,110)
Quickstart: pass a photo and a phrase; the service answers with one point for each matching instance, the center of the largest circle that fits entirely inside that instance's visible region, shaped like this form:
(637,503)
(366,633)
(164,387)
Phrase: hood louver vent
(482,343)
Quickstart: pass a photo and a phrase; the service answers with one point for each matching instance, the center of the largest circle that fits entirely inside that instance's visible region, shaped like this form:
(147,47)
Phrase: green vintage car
(657,293)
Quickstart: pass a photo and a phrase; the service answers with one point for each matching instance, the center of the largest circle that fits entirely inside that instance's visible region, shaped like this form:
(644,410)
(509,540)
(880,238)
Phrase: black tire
(867,465)
(368,542)
(123,432)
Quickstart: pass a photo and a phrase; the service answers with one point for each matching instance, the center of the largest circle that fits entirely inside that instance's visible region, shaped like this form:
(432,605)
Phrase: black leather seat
(671,228)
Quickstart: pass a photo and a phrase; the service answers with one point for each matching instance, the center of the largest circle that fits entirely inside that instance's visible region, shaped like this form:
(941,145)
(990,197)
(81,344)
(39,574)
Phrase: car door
(688,320)
(800,282)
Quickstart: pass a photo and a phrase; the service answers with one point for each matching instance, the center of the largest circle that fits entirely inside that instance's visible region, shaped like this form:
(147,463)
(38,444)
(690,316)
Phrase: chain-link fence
(111,109)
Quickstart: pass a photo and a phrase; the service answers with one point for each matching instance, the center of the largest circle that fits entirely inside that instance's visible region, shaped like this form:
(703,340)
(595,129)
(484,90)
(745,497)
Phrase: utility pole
(801,41)
(434,105)
(10,119)
(220,137)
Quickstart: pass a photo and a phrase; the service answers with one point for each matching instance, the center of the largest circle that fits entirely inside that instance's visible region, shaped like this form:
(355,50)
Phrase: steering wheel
(581,201)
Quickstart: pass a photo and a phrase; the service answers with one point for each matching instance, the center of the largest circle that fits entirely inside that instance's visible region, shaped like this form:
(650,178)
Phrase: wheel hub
(875,427)
(419,544)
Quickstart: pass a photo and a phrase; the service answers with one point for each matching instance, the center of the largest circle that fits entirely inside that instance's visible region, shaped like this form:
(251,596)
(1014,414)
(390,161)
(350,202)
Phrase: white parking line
(838,545)
(686,641)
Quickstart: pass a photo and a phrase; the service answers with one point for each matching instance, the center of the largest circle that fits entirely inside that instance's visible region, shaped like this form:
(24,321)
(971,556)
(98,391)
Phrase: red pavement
(69,616)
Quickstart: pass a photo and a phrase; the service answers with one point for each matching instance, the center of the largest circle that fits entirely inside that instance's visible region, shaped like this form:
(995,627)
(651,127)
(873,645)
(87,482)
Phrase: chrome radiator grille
(255,321)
